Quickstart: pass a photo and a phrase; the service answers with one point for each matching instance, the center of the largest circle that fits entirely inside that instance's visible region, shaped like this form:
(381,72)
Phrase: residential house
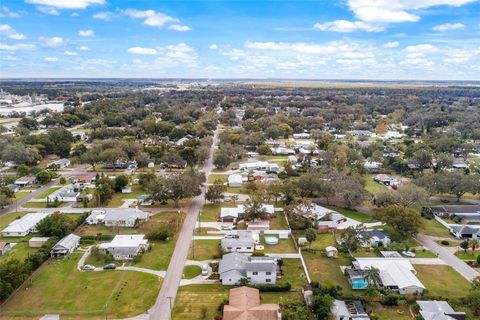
(258,270)
(65,246)
(125,247)
(259,165)
(384,179)
(303,135)
(180,142)
(360,133)
(4,247)
(465,231)
(144,200)
(37,242)
(282,151)
(244,303)
(13,187)
(119,164)
(236,180)
(84,178)
(396,274)
(180,164)
(25,181)
(117,217)
(68,193)
(439,310)
(467,214)
(372,165)
(374,238)
(240,241)
(60,163)
(349,310)
(25,225)
(233,214)
(327,219)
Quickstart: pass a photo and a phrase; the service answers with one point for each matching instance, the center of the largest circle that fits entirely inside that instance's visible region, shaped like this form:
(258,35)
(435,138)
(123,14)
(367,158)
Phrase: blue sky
(315,39)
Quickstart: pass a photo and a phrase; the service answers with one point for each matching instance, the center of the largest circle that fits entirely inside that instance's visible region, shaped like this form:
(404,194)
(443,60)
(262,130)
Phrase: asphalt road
(17,204)
(166,298)
(449,258)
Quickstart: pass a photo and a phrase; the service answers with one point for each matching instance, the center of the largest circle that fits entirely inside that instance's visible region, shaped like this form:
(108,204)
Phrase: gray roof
(456,209)
(351,309)
(68,242)
(465,229)
(124,214)
(379,233)
(245,239)
(438,310)
(242,263)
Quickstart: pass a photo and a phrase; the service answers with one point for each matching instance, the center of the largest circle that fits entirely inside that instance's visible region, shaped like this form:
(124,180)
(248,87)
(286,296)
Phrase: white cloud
(392,44)
(86,33)
(448,26)
(75,14)
(213,46)
(52,42)
(421,48)
(67,4)
(70,53)
(141,50)
(15,47)
(156,19)
(84,48)
(347,26)
(375,15)
(51,59)
(48,10)
(9,32)
(6,13)
(179,27)
(106,16)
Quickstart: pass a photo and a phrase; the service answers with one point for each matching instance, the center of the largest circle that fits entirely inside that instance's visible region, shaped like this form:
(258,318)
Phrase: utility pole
(193,244)
(171,310)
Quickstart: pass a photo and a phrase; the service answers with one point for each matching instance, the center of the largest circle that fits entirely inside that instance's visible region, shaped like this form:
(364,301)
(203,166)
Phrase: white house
(25,181)
(60,163)
(118,217)
(374,238)
(236,180)
(240,241)
(303,135)
(65,246)
(258,270)
(259,165)
(326,218)
(68,193)
(282,151)
(125,246)
(25,225)
(233,214)
(396,274)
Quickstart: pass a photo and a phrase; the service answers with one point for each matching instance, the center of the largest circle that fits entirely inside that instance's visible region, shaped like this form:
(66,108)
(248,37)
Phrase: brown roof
(244,304)
(3,245)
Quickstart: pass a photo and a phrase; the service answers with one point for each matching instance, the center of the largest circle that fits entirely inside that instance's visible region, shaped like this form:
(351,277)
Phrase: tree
(465,244)
(121,181)
(216,192)
(222,159)
(103,190)
(321,306)
(311,236)
(405,196)
(254,209)
(4,200)
(20,154)
(374,277)
(349,239)
(423,157)
(474,244)
(234,198)
(44,177)
(473,300)
(405,221)
(456,183)
(56,224)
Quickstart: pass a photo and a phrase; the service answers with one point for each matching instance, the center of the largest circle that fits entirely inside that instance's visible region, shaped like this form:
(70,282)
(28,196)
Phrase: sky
(303,39)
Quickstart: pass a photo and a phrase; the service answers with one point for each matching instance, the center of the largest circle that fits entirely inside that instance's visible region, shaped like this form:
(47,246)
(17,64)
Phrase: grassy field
(293,272)
(353,214)
(467,255)
(38,205)
(283,246)
(20,251)
(60,288)
(279,222)
(442,281)
(158,257)
(210,212)
(372,186)
(191,271)
(214,177)
(204,250)
(47,192)
(193,300)
(435,229)
(21,194)
(389,313)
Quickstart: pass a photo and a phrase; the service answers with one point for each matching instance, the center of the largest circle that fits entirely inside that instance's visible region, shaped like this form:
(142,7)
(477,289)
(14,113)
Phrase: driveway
(443,253)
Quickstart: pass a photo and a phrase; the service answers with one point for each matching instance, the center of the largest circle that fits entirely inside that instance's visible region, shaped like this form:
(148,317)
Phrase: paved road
(166,298)
(13,207)
(443,253)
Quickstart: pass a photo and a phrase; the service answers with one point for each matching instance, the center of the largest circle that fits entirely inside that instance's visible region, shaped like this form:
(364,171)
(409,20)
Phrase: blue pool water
(359,283)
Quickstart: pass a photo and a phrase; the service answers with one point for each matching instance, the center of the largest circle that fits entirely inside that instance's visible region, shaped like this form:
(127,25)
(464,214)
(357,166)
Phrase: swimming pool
(359,283)
(271,240)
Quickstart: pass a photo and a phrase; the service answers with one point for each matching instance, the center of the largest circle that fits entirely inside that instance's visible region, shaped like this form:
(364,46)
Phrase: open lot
(204,250)
(47,192)
(283,246)
(442,281)
(60,288)
(20,251)
(432,227)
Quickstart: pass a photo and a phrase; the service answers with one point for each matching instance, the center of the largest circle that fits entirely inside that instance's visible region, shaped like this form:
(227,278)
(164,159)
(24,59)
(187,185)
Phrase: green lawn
(372,186)
(61,288)
(21,194)
(9,217)
(205,250)
(158,257)
(390,312)
(353,214)
(442,281)
(191,271)
(20,251)
(213,177)
(467,255)
(432,227)
(279,222)
(210,212)
(35,204)
(47,192)
(293,272)
(283,246)
(192,299)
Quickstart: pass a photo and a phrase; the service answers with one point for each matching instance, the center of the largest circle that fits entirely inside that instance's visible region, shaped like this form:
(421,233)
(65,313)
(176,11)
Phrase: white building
(240,241)
(25,225)
(68,193)
(65,246)
(396,274)
(258,270)
(60,163)
(236,180)
(303,135)
(326,218)
(117,217)
(233,214)
(259,165)
(125,246)
(282,151)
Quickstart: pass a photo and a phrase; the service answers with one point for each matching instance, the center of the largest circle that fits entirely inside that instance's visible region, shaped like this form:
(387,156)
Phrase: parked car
(205,270)
(408,254)
(88,267)
(230,236)
(225,227)
(110,266)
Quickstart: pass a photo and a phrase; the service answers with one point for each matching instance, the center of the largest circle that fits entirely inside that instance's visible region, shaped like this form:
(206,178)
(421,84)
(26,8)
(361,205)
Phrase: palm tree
(373,277)
(474,244)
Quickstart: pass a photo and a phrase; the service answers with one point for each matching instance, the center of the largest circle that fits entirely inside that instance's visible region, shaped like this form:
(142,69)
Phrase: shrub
(160,234)
(275,287)
(445,242)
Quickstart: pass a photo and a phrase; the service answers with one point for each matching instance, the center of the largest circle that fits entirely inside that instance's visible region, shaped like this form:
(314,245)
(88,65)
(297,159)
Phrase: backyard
(452,284)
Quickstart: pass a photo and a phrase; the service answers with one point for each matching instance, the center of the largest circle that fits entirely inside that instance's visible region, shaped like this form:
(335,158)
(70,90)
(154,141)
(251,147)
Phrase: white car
(408,254)
(88,267)
(205,270)
(224,227)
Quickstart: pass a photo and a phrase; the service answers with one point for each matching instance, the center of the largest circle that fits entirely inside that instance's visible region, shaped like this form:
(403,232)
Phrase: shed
(37,242)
